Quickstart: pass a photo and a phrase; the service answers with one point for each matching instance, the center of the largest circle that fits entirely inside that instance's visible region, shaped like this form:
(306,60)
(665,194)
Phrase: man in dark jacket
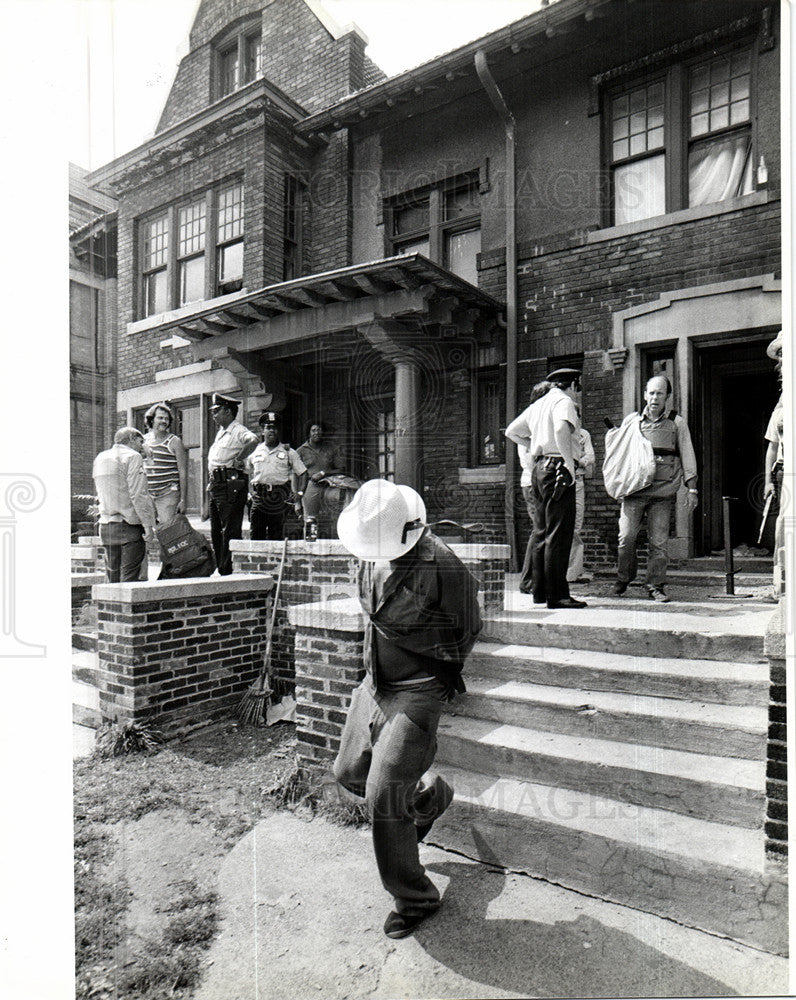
(422,621)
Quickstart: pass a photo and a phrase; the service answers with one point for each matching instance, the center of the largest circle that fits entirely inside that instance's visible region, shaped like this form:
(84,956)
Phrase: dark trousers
(553,527)
(388,744)
(268,512)
(125,551)
(526,575)
(227,502)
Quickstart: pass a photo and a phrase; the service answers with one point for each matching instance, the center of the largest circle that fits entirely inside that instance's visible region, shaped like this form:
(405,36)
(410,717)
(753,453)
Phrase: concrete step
(85,704)
(710,787)
(703,874)
(720,631)
(698,727)
(716,681)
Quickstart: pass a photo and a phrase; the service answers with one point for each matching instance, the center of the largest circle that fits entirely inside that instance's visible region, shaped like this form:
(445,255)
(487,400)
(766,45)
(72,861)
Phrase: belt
(269,487)
(224,475)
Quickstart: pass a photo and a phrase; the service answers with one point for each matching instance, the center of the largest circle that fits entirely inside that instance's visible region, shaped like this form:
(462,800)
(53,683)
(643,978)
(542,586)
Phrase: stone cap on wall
(144,592)
(335,616)
(333,547)
(774,641)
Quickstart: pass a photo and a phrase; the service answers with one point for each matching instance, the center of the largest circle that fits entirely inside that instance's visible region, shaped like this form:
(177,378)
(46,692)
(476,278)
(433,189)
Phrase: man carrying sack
(674,462)
(422,621)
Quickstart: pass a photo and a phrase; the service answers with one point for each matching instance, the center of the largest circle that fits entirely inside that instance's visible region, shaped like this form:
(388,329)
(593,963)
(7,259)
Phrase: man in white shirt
(229,482)
(549,427)
(126,510)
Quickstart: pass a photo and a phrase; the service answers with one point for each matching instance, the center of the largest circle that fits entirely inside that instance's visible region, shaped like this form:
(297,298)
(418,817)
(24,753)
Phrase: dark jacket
(427,607)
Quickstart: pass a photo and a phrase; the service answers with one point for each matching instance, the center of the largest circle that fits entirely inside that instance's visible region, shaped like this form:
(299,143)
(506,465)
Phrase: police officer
(549,427)
(228,486)
(276,468)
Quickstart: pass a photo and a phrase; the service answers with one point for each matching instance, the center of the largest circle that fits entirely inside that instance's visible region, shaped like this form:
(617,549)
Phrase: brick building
(327,242)
(92,330)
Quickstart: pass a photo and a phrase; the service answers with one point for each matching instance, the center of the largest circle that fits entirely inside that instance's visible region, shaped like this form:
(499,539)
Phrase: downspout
(507,119)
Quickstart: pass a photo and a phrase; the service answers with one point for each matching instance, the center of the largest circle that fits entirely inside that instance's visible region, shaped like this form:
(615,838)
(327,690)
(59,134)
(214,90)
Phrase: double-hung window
(442,222)
(292,228)
(682,137)
(229,249)
(193,250)
(239,61)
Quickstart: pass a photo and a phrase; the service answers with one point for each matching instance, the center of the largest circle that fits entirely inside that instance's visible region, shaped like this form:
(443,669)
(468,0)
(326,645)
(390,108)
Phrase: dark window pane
(253,58)
(462,202)
(489,408)
(410,218)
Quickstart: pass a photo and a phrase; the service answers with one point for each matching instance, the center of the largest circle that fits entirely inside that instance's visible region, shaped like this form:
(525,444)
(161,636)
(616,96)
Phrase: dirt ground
(151,832)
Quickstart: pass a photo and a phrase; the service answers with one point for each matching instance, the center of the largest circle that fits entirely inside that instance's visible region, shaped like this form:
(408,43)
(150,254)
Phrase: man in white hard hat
(422,621)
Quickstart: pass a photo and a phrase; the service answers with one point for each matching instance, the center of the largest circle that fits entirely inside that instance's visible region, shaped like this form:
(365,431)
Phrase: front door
(735,389)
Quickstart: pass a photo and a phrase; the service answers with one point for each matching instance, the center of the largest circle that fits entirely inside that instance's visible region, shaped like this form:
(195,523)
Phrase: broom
(252,708)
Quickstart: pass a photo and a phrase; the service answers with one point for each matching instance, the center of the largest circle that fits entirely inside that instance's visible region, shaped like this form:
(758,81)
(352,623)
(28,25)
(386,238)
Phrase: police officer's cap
(564,376)
(220,402)
(269,419)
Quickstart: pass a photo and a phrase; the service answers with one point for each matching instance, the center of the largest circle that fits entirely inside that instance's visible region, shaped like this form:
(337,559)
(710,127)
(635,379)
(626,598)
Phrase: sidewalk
(302,911)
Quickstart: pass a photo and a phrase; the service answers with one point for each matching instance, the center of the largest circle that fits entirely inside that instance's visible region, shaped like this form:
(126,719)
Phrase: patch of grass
(300,789)
(161,967)
(86,616)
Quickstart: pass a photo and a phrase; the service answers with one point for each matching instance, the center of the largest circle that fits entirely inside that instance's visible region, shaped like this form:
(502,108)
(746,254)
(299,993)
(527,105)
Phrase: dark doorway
(735,389)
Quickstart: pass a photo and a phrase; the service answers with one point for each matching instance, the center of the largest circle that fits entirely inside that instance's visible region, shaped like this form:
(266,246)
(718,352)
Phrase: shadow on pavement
(573,958)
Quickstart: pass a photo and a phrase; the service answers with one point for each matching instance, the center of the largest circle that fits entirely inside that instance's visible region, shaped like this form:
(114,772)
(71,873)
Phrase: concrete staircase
(620,750)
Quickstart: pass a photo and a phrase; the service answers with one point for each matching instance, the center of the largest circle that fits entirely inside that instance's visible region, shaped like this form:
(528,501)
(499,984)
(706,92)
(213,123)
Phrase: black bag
(184,551)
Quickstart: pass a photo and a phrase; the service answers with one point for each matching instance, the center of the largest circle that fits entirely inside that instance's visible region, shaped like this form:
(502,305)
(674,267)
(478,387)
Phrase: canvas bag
(183,550)
(629,463)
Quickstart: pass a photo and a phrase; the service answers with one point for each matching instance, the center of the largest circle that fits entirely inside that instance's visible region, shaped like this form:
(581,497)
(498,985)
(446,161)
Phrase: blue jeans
(388,743)
(659,515)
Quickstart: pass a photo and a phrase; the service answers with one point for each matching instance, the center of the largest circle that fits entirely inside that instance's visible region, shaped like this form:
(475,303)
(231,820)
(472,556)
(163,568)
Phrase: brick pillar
(776,819)
(328,667)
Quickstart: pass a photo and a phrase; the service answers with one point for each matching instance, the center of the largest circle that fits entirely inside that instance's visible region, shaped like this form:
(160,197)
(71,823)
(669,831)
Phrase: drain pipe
(507,119)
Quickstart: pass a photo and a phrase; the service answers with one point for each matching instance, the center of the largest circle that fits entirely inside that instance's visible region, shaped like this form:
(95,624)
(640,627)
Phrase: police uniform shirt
(541,418)
(229,443)
(272,466)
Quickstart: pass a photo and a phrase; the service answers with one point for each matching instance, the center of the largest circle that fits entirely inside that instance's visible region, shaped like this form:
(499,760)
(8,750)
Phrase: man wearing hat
(422,620)
(228,486)
(549,427)
(275,471)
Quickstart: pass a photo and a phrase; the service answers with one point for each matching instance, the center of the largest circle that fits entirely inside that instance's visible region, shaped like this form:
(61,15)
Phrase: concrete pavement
(302,912)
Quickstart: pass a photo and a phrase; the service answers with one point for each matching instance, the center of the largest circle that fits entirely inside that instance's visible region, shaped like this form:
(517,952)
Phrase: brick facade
(179,654)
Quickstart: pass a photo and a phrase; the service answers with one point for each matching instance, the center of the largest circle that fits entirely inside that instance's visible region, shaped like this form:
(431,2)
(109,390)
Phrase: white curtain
(720,170)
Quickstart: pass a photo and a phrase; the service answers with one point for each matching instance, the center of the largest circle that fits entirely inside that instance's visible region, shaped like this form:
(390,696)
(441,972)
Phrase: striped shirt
(161,469)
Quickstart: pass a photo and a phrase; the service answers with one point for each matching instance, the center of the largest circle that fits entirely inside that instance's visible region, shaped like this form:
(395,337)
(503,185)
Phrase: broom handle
(270,632)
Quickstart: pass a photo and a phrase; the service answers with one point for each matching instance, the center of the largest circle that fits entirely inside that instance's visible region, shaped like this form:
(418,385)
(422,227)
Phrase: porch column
(407,423)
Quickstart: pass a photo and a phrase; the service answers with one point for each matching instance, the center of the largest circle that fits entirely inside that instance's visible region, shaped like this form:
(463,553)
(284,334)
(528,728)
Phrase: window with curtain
(720,133)
(681,137)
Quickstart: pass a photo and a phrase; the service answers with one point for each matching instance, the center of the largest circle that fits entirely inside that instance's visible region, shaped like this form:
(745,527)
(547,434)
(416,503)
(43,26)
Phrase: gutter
(507,120)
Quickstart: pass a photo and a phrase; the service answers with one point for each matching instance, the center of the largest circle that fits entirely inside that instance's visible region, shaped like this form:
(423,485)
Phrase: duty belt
(224,475)
(268,487)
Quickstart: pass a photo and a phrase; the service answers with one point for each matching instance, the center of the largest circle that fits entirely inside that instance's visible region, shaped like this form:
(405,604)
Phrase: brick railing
(179,654)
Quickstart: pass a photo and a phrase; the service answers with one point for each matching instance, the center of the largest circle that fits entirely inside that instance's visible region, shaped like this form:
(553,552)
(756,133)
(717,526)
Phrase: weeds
(115,740)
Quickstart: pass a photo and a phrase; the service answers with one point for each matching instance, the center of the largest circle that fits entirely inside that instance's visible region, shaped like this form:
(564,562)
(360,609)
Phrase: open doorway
(735,389)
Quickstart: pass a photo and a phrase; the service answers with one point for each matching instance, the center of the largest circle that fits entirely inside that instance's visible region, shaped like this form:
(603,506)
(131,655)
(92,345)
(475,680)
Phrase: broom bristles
(252,707)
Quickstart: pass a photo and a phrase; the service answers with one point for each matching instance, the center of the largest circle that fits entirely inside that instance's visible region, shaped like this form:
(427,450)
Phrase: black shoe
(540,600)
(400,925)
(619,588)
(568,602)
(525,589)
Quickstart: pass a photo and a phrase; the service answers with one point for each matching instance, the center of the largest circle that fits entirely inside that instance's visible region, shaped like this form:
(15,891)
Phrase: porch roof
(392,287)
